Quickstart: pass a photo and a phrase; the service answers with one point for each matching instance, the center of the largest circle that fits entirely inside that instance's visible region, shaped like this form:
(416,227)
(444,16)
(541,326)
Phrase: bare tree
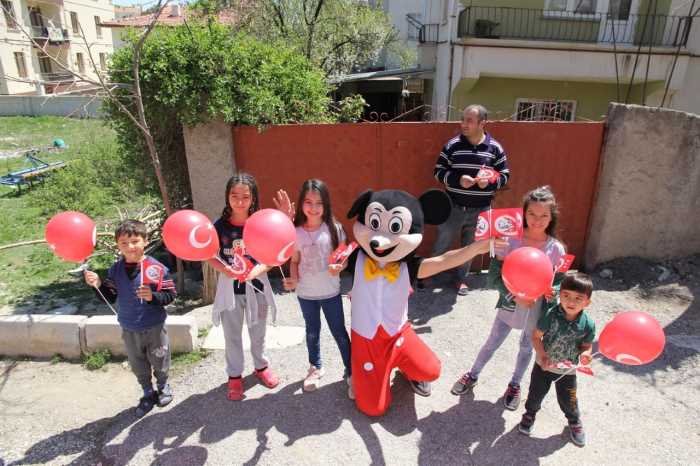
(104,88)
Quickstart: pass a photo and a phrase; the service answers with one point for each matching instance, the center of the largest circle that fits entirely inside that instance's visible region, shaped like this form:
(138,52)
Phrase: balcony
(424,33)
(51,34)
(565,26)
(57,77)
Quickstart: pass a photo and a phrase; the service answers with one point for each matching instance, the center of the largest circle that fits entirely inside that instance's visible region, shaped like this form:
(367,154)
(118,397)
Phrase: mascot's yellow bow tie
(390,271)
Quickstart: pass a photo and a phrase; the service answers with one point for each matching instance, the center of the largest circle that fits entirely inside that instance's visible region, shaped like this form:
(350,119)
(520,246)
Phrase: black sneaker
(146,404)
(421,388)
(464,384)
(165,396)
(526,423)
(578,436)
(511,399)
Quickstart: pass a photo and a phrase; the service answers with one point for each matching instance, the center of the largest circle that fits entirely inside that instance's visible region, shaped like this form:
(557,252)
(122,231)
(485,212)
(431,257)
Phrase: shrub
(96,359)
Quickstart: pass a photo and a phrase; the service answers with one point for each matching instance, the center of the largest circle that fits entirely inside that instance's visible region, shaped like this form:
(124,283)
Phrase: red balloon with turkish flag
(269,237)
(71,235)
(633,338)
(190,235)
(527,273)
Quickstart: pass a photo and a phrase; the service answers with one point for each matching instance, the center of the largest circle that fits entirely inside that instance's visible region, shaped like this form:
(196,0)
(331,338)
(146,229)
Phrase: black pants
(541,381)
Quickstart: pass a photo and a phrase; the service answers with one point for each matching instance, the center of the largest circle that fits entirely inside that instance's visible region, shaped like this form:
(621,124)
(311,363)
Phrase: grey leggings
(499,332)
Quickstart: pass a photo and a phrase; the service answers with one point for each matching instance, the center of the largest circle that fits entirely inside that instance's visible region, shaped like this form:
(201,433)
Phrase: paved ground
(62,414)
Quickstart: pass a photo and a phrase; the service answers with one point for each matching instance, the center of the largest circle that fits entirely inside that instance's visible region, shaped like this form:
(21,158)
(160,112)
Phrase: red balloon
(190,236)
(71,236)
(632,338)
(527,273)
(269,236)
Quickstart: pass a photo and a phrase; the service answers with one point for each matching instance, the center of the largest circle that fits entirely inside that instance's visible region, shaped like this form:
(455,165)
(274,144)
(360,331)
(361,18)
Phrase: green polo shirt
(563,338)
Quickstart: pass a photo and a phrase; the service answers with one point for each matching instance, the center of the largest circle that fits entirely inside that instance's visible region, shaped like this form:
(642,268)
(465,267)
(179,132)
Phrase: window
(10,18)
(35,17)
(98,28)
(567,7)
(45,64)
(21,65)
(103,61)
(74,23)
(80,62)
(620,9)
(545,110)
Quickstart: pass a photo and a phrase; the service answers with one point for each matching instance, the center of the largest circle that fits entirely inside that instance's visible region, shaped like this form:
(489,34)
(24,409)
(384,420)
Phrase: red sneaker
(267,377)
(235,389)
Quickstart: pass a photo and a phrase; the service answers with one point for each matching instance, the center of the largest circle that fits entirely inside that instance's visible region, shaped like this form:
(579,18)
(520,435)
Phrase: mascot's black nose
(374,243)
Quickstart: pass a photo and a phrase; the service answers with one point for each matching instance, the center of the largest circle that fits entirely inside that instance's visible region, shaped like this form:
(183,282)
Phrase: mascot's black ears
(436,205)
(360,204)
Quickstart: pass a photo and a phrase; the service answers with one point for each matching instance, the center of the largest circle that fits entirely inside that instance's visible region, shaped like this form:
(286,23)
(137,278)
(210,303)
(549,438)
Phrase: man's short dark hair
(131,228)
(578,282)
(479,109)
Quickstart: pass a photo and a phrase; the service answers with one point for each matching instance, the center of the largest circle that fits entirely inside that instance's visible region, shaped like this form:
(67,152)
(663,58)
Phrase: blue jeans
(463,222)
(499,332)
(333,310)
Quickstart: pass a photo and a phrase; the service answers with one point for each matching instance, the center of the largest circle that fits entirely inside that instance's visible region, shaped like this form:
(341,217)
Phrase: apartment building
(65,27)
(561,60)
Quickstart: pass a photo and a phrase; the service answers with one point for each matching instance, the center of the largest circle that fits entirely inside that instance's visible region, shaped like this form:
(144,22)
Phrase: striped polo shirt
(460,157)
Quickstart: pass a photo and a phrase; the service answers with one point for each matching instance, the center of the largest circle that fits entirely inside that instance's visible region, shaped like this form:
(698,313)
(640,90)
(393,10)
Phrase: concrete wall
(41,335)
(210,163)
(78,106)
(648,196)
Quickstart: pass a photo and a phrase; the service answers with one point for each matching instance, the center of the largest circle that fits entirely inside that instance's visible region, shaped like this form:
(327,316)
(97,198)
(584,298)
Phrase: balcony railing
(58,76)
(425,33)
(56,35)
(566,26)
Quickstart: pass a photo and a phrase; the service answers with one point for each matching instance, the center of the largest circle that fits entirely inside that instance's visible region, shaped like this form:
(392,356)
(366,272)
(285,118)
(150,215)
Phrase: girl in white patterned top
(317,282)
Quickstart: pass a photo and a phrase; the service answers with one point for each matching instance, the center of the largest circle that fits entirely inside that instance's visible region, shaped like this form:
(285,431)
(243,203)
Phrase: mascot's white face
(385,234)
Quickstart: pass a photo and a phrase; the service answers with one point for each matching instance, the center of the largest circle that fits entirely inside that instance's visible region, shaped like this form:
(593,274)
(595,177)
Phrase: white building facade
(66,28)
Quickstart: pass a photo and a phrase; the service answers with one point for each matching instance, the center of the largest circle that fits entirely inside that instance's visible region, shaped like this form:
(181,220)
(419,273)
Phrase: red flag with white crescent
(152,273)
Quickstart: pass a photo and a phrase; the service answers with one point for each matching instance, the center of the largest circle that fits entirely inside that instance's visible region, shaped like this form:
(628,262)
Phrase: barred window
(545,110)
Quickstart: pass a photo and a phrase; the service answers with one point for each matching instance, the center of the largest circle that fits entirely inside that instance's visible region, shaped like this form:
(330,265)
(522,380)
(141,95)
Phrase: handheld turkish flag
(507,223)
(241,264)
(489,173)
(342,253)
(483,226)
(152,273)
(565,263)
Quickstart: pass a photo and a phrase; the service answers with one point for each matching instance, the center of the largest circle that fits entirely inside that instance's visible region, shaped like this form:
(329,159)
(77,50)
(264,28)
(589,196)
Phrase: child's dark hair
(321,188)
(578,282)
(247,180)
(131,228)
(545,195)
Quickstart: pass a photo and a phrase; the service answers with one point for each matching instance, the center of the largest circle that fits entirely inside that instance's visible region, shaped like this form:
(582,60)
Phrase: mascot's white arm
(454,258)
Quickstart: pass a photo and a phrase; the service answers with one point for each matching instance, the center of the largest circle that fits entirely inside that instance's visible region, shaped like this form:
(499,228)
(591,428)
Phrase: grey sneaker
(578,436)
(421,388)
(165,396)
(526,423)
(464,384)
(511,399)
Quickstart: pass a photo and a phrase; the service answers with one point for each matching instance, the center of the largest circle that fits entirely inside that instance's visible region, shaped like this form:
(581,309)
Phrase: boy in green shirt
(563,333)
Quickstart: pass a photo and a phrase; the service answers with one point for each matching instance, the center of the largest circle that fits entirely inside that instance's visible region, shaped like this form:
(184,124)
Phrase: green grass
(32,275)
(97,359)
(184,359)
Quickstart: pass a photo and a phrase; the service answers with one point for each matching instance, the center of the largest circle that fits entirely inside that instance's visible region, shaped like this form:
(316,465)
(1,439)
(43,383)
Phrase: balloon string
(105,300)
(282,272)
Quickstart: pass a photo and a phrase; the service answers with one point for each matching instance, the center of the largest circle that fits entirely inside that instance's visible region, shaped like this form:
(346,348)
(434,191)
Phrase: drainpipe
(450,22)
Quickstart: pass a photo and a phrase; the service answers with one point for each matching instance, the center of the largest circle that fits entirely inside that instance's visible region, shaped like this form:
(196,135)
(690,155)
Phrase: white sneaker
(313,379)
(351,392)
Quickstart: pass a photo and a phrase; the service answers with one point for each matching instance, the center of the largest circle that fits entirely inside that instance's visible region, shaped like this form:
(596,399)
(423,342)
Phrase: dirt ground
(63,414)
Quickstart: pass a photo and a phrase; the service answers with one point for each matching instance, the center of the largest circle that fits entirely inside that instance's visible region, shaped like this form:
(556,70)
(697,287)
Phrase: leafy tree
(339,36)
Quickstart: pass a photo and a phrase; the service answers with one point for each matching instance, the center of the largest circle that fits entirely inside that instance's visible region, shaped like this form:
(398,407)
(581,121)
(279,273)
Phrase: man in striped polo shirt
(458,168)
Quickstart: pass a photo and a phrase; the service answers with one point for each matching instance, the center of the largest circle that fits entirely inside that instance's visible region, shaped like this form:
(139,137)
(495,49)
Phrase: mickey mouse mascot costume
(388,229)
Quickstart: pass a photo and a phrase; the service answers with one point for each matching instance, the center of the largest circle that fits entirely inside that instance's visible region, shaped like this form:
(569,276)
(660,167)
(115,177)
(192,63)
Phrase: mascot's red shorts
(373,361)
